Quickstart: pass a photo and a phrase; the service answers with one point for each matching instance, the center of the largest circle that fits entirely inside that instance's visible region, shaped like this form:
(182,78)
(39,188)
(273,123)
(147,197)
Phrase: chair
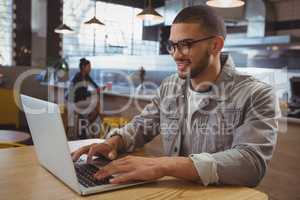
(10,145)
(12,138)
(8,108)
(295,93)
(112,122)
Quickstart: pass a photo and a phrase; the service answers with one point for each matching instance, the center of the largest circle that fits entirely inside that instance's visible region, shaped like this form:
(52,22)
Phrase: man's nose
(177,54)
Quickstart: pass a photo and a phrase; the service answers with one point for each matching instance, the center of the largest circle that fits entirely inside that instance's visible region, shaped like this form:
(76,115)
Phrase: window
(6,32)
(122,33)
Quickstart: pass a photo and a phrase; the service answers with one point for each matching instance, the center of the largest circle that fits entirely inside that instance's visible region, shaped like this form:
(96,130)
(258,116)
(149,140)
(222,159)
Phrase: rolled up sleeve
(206,167)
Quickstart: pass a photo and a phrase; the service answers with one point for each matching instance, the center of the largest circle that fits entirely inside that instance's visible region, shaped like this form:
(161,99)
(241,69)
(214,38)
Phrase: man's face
(197,59)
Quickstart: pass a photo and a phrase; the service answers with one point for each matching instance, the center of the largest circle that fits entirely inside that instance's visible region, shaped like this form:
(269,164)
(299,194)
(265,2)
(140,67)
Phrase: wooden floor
(282,181)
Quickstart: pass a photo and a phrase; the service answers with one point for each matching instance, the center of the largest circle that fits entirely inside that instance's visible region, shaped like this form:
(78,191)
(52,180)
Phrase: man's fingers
(95,150)
(112,155)
(124,178)
(108,151)
(113,168)
(76,154)
(91,153)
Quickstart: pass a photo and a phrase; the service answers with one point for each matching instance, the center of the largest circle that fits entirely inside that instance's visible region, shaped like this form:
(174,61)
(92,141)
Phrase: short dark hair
(207,17)
(83,62)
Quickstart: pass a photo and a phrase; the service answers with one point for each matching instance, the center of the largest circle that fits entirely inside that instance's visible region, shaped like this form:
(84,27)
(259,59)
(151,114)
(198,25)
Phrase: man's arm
(142,128)
(135,134)
(253,142)
(135,168)
(180,167)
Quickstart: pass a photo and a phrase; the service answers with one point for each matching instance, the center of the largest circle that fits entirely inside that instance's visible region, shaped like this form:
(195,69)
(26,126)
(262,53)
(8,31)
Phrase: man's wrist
(180,167)
(166,165)
(116,142)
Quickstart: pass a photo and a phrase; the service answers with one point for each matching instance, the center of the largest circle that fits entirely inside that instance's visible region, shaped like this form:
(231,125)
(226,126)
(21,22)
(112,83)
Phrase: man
(217,126)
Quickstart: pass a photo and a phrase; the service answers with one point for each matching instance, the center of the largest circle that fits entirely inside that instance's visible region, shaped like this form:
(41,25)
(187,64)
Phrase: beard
(200,66)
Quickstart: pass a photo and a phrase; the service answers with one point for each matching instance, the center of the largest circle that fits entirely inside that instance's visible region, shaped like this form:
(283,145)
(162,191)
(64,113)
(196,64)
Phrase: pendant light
(63,28)
(149,13)
(225,3)
(94,22)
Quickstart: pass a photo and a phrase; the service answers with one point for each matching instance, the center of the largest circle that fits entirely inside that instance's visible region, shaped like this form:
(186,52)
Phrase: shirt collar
(225,77)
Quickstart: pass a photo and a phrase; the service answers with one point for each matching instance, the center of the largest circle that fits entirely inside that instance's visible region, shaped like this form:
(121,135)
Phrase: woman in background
(82,80)
(84,102)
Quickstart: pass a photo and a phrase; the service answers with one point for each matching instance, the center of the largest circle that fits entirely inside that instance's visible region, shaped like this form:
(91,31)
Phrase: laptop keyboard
(85,174)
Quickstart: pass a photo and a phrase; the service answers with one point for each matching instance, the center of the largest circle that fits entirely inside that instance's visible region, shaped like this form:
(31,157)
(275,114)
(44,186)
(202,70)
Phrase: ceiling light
(63,29)
(94,22)
(225,3)
(149,13)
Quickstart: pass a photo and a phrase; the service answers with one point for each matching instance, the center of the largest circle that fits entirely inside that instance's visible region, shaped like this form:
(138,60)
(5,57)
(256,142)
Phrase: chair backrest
(8,108)
(295,89)
(112,122)
(10,145)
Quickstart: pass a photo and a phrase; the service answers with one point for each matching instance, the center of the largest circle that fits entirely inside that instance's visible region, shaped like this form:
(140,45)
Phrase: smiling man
(217,126)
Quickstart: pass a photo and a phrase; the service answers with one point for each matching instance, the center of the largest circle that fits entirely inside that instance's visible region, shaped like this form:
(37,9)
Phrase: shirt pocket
(226,121)
(199,123)
(222,125)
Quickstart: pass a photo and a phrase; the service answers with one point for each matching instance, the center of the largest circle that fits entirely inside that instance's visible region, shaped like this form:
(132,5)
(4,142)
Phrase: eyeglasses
(184,46)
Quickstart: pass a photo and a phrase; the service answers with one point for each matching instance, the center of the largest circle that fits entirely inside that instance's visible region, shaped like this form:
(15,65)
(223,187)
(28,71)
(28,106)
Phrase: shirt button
(175,149)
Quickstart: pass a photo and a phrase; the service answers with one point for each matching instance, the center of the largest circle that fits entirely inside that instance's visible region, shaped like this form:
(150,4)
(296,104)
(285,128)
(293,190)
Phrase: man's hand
(135,168)
(102,149)
(132,168)
(108,149)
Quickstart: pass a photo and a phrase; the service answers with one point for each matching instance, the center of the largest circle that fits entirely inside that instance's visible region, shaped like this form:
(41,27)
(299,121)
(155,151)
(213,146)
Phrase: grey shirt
(236,125)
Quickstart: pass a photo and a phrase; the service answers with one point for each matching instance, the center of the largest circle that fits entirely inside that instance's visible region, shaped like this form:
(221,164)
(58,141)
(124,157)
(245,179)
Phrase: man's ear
(217,45)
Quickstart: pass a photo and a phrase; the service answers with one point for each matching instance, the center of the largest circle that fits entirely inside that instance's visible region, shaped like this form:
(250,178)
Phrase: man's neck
(209,76)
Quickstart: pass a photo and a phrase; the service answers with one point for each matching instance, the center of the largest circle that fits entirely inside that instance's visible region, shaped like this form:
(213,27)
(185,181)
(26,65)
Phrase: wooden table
(21,177)
(13,136)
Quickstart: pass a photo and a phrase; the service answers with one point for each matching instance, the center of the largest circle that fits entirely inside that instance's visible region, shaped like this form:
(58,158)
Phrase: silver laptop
(53,151)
